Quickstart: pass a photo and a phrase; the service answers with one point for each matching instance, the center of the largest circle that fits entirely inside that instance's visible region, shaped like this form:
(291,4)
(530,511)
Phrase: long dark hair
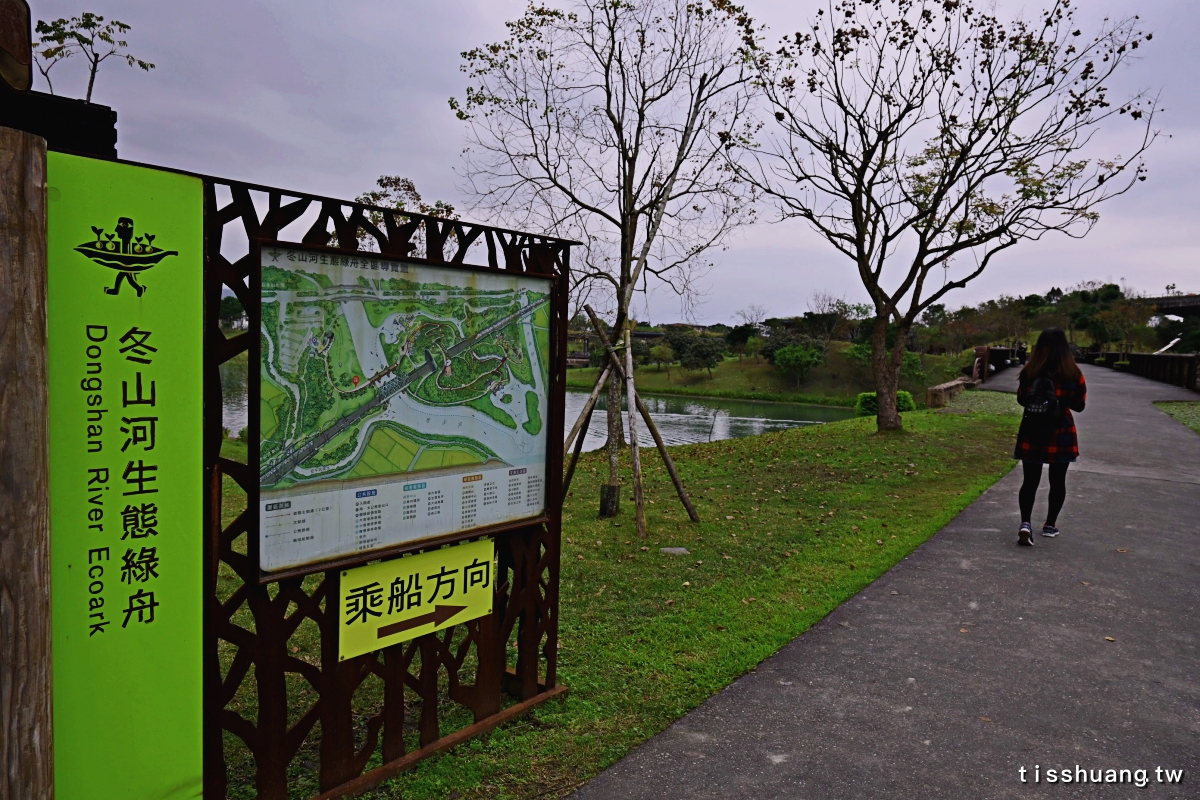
(1051,356)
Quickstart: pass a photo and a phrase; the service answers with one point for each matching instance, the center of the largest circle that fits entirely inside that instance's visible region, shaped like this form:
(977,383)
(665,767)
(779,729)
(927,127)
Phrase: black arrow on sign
(439,615)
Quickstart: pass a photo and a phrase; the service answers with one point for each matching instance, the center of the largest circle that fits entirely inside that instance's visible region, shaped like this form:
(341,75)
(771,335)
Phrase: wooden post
(26,739)
(631,396)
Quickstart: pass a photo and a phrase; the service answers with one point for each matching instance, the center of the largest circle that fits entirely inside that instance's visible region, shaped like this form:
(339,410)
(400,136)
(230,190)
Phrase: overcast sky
(324,97)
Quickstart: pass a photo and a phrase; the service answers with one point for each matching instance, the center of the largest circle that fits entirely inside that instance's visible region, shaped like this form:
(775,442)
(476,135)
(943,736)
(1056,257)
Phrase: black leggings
(1058,489)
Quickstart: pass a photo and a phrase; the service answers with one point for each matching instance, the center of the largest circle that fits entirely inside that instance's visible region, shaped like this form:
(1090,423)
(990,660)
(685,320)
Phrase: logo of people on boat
(124,252)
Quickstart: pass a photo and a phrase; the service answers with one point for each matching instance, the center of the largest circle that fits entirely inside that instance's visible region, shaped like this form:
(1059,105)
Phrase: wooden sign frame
(251,619)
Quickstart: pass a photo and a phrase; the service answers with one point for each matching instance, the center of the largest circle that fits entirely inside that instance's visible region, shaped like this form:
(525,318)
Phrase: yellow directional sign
(393,601)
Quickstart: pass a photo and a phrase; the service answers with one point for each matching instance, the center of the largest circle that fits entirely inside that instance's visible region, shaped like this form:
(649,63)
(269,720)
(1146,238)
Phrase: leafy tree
(612,123)
(231,314)
(680,341)
(782,337)
(753,347)
(737,336)
(400,193)
(87,35)
(662,354)
(910,367)
(705,352)
(796,360)
(1120,320)
(921,138)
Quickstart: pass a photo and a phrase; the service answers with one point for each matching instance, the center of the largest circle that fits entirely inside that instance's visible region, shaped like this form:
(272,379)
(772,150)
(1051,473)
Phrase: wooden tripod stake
(615,363)
(631,397)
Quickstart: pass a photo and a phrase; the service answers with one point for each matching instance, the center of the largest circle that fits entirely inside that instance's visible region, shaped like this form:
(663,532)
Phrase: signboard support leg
(26,741)
(394,667)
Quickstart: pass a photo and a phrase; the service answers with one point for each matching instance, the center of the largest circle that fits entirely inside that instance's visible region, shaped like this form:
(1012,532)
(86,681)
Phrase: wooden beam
(26,738)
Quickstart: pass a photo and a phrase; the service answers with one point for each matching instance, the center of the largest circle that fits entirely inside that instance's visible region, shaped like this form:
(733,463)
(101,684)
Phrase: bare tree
(925,135)
(753,314)
(89,36)
(610,122)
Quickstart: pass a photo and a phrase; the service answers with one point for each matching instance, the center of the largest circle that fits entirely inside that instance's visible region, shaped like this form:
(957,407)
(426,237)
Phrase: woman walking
(1051,387)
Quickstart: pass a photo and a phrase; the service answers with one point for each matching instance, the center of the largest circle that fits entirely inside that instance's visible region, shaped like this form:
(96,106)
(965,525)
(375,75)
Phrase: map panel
(399,402)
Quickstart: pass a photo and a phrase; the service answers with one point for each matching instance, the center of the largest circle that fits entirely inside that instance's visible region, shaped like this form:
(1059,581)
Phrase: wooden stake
(580,426)
(662,448)
(575,455)
(631,397)
(666,457)
(26,737)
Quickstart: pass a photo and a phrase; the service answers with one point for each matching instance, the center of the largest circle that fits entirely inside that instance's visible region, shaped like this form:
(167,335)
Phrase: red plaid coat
(1063,445)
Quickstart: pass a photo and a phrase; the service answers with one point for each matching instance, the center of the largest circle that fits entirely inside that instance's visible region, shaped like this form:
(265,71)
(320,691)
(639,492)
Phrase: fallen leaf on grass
(1085,583)
(579,557)
(644,549)
(728,516)
(670,602)
(1109,639)
(985,719)
(687,583)
(963,630)
(879,541)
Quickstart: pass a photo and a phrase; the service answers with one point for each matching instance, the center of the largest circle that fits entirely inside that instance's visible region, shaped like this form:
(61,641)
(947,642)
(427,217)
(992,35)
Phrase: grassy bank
(794,523)
(1186,413)
(837,382)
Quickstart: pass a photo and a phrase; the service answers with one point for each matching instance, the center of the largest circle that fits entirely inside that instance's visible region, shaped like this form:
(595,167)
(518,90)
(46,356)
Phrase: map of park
(374,368)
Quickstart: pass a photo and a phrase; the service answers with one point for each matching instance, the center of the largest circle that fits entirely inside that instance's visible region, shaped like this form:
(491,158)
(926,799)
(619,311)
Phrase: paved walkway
(887,698)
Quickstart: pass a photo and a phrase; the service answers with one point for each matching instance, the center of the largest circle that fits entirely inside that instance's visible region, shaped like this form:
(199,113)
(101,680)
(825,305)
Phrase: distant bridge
(1178,305)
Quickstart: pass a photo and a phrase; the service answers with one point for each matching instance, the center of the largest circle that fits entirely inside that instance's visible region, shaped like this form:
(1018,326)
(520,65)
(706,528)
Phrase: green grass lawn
(1188,413)
(794,523)
(837,382)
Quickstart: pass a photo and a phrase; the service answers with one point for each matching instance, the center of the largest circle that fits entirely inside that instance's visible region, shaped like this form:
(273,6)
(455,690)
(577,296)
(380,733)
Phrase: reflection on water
(233,395)
(687,420)
(680,420)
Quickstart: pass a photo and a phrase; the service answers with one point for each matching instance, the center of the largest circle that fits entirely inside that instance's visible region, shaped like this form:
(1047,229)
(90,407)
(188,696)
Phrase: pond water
(680,420)
(688,420)
(233,395)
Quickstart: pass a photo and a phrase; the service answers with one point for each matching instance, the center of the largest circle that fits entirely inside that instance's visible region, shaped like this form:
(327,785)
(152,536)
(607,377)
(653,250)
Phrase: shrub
(867,406)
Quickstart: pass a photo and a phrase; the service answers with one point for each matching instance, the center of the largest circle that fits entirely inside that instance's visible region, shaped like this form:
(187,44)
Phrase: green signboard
(125,344)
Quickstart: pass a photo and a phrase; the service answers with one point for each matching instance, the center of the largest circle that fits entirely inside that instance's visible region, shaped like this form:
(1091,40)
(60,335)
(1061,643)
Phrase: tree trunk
(887,376)
(616,436)
(26,739)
